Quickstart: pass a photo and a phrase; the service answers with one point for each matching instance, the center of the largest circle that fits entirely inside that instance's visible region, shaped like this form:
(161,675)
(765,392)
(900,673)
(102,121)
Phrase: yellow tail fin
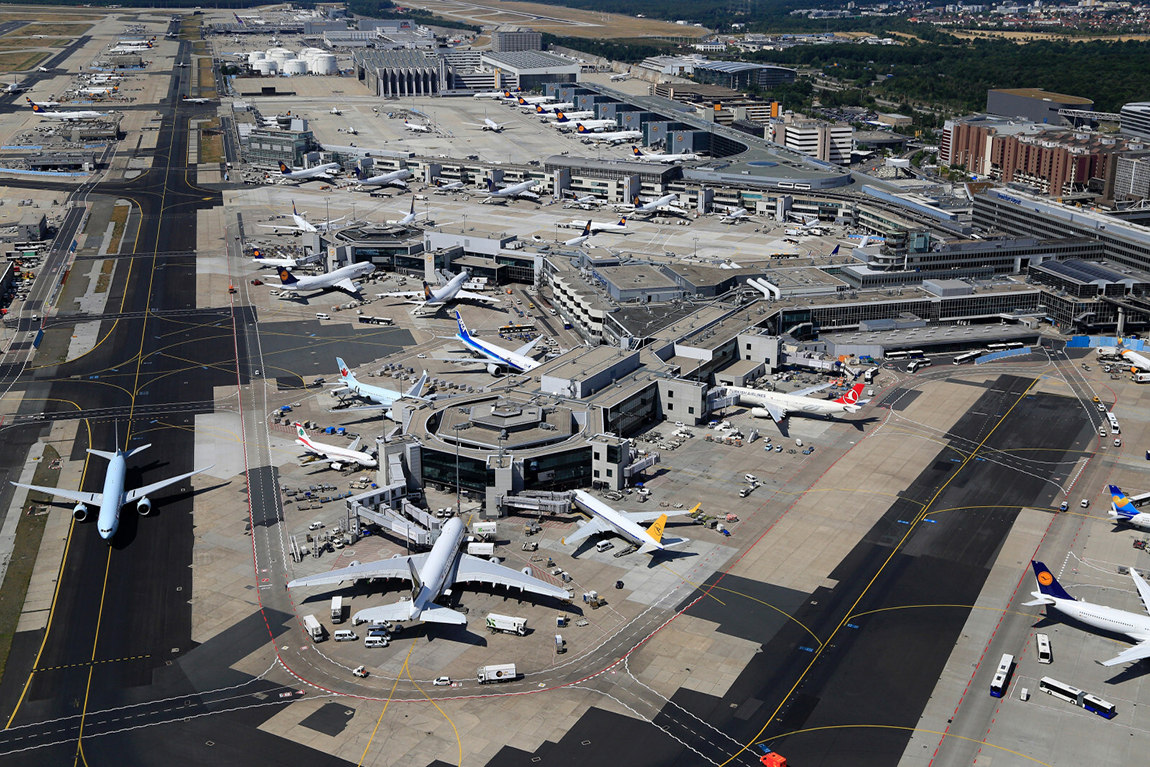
(656,528)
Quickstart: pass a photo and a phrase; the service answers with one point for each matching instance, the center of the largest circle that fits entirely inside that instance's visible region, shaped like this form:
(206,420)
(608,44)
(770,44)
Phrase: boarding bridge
(811,363)
(537,502)
(638,467)
(378,506)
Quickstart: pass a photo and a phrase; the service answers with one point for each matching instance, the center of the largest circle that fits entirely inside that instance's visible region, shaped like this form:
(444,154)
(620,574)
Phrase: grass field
(1027,37)
(17,44)
(57,29)
(105,277)
(555,19)
(211,144)
(29,532)
(120,219)
(49,16)
(190,27)
(21,61)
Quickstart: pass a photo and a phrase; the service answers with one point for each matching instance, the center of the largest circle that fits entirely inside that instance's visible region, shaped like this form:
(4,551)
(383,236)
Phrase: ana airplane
(575,242)
(564,122)
(1133,625)
(113,498)
(78,114)
(378,395)
(619,226)
(627,525)
(608,137)
(522,189)
(431,574)
(188,100)
(340,279)
(416,127)
(393,178)
(491,125)
(1122,508)
(303,174)
(301,224)
(444,294)
(735,216)
(335,111)
(659,157)
(776,405)
(409,217)
(498,358)
(666,202)
(339,457)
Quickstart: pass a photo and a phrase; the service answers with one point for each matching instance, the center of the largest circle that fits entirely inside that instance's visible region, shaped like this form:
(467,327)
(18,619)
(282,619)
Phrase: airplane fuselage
(109,519)
(791,402)
(1130,624)
(631,531)
(437,568)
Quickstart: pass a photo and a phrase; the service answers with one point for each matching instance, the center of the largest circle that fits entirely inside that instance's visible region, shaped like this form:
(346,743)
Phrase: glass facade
(439,467)
(629,415)
(558,471)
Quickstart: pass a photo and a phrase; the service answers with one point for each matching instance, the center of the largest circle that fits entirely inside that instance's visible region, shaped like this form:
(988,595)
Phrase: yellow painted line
(458,742)
(387,703)
(93,663)
(92,668)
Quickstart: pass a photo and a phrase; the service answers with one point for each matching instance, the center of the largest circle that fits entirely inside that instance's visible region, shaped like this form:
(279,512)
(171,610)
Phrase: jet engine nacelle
(80,513)
(493,369)
(144,506)
(760,412)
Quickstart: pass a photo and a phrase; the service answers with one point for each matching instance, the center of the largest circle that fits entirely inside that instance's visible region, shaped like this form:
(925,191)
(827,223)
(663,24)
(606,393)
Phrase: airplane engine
(493,369)
(80,513)
(759,412)
(144,506)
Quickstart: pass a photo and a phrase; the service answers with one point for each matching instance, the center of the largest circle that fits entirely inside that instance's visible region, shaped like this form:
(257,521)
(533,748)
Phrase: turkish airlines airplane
(776,405)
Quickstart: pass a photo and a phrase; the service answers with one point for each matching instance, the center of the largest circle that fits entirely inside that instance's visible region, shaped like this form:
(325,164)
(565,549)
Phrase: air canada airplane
(113,498)
(431,575)
(380,396)
(776,405)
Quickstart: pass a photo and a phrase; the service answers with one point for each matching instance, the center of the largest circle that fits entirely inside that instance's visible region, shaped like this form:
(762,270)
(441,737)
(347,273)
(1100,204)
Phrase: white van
(375,641)
(321,316)
(602,546)
(344,635)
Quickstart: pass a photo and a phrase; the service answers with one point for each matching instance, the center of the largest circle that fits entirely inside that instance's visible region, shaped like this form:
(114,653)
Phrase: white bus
(1001,679)
(916,365)
(1113,423)
(1008,345)
(1044,653)
(903,354)
(1098,706)
(1066,692)
(967,356)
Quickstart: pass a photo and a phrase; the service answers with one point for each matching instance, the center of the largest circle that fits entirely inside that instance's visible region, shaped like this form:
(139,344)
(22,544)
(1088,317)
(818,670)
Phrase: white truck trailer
(313,627)
(337,609)
(500,672)
(506,624)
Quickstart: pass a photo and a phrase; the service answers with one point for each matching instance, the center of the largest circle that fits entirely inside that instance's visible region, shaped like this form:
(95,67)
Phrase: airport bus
(917,364)
(904,354)
(1096,705)
(1007,345)
(1001,679)
(1066,692)
(967,356)
(869,375)
(1044,653)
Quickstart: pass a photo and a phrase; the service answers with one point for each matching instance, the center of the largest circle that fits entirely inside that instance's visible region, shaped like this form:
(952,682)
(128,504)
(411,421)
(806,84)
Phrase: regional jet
(301,224)
(649,156)
(393,178)
(522,189)
(444,294)
(113,498)
(627,525)
(1133,625)
(303,174)
(1122,508)
(338,457)
(776,405)
(340,279)
(431,575)
(498,358)
(378,395)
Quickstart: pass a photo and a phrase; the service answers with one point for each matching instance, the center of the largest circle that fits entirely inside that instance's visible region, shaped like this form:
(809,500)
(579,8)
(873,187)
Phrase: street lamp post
(458,491)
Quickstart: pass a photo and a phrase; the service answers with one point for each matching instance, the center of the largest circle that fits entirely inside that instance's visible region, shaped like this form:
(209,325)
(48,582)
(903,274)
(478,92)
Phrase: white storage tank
(323,64)
(255,56)
(266,67)
(280,54)
(293,67)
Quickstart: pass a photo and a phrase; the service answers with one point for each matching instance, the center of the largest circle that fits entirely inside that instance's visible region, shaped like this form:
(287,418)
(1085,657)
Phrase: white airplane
(335,111)
(43,69)
(393,178)
(575,242)
(100,90)
(1133,625)
(416,127)
(182,65)
(281,263)
(596,228)
(447,186)
(301,224)
(303,174)
(564,121)
(78,114)
(735,216)
(409,217)
(620,77)
(660,157)
(522,189)
(379,395)
(489,95)
(188,100)
(1122,508)
(491,125)
(607,137)
(626,525)
(351,131)
(498,358)
(666,202)
(431,574)
(1138,362)
(549,109)
(776,405)
(451,291)
(43,103)
(113,498)
(339,457)
(532,100)
(340,279)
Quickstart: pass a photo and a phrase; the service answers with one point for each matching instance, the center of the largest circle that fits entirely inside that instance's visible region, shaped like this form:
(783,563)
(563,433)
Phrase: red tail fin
(851,397)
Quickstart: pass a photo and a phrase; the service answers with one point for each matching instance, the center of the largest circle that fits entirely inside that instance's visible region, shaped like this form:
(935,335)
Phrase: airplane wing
(642,517)
(1143,588)
(468,295)
(529,194)
(405,294)
(140,492)
(347,286)
(475,570)
(526,348)
(396,567)
(591,528)
(777,413)
(94,499)
(1137,652)
(810,391)
(399,611)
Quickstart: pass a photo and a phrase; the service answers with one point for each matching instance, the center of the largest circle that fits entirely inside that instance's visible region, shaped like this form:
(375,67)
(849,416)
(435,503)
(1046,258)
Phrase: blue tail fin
(287,278)
(490,185)
(462,328)
(1120,504)
(344,370)
(284,168)
(1047,583)
(835,252)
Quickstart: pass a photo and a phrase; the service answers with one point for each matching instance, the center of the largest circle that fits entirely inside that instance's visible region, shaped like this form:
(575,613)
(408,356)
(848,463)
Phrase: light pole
(458,490)
(696,247)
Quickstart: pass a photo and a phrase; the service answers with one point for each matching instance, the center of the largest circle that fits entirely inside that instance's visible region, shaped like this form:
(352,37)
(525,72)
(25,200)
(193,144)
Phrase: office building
(1132,176)
(1135,119)
(268,147)
(742,75)
(1034,104)
(508,39)
(1057,162)
(822,140)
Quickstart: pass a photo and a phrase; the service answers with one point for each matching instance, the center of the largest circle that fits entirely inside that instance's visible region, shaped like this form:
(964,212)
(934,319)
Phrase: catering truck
(501,672)
(506,624)
(313,627)
(337,609)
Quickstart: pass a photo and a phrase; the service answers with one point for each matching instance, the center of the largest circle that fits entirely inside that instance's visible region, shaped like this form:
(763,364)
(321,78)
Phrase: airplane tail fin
(284,168)
(416,391)
(656,528)
(300,434)
(1121,506)
(427,294)
(287,278)
(416,583)
(587,229)
(490,185)
(1047,583)
(103,453)
(462,328)
(635,151)
(622,221)
(562,118)
(344,371)
(835,252)
(851,397)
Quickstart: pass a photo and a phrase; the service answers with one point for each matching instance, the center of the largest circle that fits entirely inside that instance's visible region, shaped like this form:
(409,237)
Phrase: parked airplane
(619,226)
(666,202)
(564,121)
(416,127)
(113,498)
(301,224)
(735,216)
(776,405)
(1122,508)
(99,90)
(562,118)
(78,114)
(448,186)
(1133,625)
(498,358)
(1138,363)
(351,131)
(532,100)
(626,525)
(550,107)
(281,263)
(431,574)
(452,290)
(522,189)
(584,201)
(575,242)
(489,95)
(491,125)
(393,178)
(43,103)
(608,137)
(335,111)
(620,77)
(408,218)
(188,100)
(303,174)
(340,279)
(379,395)
(650,156)
(339,457)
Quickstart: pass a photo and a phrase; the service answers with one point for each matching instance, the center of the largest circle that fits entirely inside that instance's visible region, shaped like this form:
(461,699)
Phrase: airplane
(659,157)
(560,116)
(777,405)
(497,357)
(99,90)
(416,127)
(541,109)
(43,69)
(626,525)
(620,77)
(1138,362)
(113,498)
(431,574)
(303,174)
(575,242)
(1133,625)
(182,65)
(609,137)
(302,224)
(619,226)
(189,100)
(281,263)
(531,100)
(340,279)
(522,189)
(351,131)
(379,395)
(735,216)
(491,125)
(451,291)
(447,186)
(393,178)
(409,217)
(563,121)
(585,201)
(338,457)
(666,202)
(489,95)
(335,111)
(79,114)
(44,103)
(1122,508)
